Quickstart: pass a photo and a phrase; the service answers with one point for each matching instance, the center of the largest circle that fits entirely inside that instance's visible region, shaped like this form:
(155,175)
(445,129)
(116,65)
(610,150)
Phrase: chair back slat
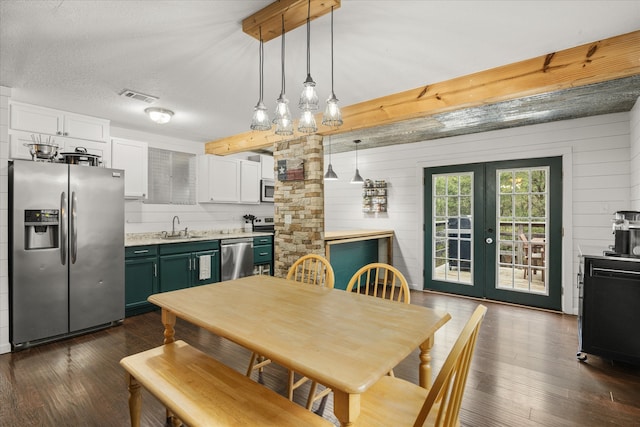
(312,269)
(380,280)
(448,387)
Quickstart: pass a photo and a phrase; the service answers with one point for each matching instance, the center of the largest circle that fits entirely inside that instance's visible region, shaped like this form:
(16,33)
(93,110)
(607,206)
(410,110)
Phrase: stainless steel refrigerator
(66,236)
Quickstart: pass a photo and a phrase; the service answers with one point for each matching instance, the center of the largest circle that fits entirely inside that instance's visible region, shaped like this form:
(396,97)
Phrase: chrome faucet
(173,225)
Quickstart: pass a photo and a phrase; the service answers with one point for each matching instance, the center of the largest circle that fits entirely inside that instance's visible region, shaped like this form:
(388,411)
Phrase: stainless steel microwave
(267,188)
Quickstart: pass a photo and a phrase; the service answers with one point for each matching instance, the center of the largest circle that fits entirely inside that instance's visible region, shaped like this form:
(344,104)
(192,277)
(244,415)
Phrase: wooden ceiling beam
(595,62)
(295,15)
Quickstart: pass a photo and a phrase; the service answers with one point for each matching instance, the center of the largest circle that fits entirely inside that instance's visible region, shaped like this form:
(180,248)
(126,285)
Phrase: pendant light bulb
(260,120)
(309,97)
(307,123)
(332,115)
(282,117)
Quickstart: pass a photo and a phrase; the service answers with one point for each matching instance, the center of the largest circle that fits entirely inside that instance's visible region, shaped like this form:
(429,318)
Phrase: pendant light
(332,115)
(357,179)
(282,119)
(330,175)
(260,119)
(309,98)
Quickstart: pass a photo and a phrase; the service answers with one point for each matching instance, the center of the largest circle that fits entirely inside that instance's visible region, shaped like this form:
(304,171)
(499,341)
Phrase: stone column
(299,205)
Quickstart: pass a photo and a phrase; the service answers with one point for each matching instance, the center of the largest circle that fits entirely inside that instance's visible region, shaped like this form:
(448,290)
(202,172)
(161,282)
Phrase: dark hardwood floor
(524,373)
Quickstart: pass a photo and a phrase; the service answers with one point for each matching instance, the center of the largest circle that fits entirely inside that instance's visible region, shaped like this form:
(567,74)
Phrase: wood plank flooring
(524,373)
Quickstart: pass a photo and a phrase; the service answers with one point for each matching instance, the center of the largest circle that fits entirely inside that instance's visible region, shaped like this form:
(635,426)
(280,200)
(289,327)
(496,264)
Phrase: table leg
(346,407)
(169,322)
(425,363)
(135,400)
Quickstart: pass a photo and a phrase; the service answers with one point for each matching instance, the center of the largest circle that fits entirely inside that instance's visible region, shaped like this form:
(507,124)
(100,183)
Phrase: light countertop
(357,234)
(141,239)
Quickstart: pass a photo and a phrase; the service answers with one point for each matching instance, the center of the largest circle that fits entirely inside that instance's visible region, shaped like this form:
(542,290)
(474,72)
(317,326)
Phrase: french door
(494,230)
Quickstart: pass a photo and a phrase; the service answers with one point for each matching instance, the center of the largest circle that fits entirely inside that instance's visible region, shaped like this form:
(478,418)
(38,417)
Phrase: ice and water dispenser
(41,228)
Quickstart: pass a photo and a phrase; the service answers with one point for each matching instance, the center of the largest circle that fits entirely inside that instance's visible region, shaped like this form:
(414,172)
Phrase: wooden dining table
(344,341)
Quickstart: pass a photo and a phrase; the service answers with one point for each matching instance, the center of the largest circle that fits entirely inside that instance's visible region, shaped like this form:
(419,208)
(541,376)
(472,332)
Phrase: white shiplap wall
(146,218)
(596,183)
(635,156)
(5,93)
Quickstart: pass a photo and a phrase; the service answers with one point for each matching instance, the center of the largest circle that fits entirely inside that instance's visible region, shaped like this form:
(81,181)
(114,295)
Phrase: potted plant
(248,222)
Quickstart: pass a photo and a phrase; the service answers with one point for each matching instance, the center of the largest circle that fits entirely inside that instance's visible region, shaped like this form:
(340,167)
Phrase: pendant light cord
(261,64)
(308,39)
(332,93)
(282,59)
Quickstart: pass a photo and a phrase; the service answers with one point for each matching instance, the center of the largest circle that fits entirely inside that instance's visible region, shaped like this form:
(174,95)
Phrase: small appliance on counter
(626,227)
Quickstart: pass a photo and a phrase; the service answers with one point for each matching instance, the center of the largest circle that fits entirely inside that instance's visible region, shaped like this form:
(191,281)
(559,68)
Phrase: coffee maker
(626,228)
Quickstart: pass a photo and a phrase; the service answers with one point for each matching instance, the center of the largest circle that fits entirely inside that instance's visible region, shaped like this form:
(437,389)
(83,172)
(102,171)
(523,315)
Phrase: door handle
(63,228)
(74,228)
(489,240)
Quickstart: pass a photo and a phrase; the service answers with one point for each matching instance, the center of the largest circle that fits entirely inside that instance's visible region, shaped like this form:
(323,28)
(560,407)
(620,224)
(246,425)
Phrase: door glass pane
(452,227)
(523,238)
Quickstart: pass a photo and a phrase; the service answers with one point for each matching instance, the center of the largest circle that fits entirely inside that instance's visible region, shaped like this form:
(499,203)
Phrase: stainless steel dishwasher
(237,258)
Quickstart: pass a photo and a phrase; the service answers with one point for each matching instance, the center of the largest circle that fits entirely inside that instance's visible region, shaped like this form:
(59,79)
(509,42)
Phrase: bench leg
(135,400)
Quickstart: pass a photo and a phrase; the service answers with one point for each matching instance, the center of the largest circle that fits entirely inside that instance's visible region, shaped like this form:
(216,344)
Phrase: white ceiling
(79,55)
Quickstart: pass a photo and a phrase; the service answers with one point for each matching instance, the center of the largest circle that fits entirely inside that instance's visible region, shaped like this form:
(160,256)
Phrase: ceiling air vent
(128,93)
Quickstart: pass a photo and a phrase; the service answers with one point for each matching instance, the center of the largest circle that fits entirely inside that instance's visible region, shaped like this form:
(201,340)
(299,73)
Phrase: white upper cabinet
(249,181)
(48,121)
(227,180)
(218,180)
(132,157)
(266,166)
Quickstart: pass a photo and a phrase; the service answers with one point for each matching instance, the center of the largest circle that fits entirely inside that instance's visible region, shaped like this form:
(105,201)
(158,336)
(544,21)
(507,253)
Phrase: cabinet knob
(58,133)
(66,133)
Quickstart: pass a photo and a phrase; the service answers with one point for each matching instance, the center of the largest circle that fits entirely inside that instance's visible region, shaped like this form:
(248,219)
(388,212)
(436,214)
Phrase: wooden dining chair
(310,269)
(397,402)
(380,280)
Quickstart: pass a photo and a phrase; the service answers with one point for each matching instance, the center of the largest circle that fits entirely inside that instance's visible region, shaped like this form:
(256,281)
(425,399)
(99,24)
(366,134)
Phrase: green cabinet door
(140,278)
(214,268)
(180,264)
(140,275)
(347,258)
(175,271)
(263,254)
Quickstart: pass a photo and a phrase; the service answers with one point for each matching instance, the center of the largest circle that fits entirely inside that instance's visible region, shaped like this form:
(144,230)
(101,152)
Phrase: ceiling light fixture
(330,175)
(357,179)
(309,98)
(282,119)
(260,119)
(332,115)
(159,115)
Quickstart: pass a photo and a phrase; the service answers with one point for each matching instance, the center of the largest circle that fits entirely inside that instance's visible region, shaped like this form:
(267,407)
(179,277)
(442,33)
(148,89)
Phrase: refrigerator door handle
(74,228)
(63,228)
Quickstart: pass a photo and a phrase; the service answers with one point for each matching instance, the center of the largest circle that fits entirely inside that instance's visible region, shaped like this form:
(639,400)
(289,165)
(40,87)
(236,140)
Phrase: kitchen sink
(181,236)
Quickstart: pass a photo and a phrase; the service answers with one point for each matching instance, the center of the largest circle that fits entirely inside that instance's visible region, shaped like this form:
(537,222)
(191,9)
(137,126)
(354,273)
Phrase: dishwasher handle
(236,241)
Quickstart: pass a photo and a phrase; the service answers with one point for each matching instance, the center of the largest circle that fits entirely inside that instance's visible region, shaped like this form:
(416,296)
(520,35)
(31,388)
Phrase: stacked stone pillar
(299,205)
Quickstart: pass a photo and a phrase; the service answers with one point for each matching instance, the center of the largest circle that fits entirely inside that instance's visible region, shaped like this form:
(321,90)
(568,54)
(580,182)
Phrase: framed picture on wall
(291,170)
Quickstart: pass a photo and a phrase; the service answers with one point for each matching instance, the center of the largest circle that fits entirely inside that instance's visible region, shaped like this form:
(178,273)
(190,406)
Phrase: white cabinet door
(36,119)
(218,180)
(48,121)
(132,157)
(85,127)
(267,167)
(249,181)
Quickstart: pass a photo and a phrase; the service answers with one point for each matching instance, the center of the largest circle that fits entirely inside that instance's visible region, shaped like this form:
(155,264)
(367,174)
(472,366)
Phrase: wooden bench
(200,391)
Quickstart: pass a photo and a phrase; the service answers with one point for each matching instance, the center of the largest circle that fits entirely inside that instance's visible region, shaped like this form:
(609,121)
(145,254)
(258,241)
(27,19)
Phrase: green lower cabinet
(347,258)
(141,279)
(183,265)
(263,255)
